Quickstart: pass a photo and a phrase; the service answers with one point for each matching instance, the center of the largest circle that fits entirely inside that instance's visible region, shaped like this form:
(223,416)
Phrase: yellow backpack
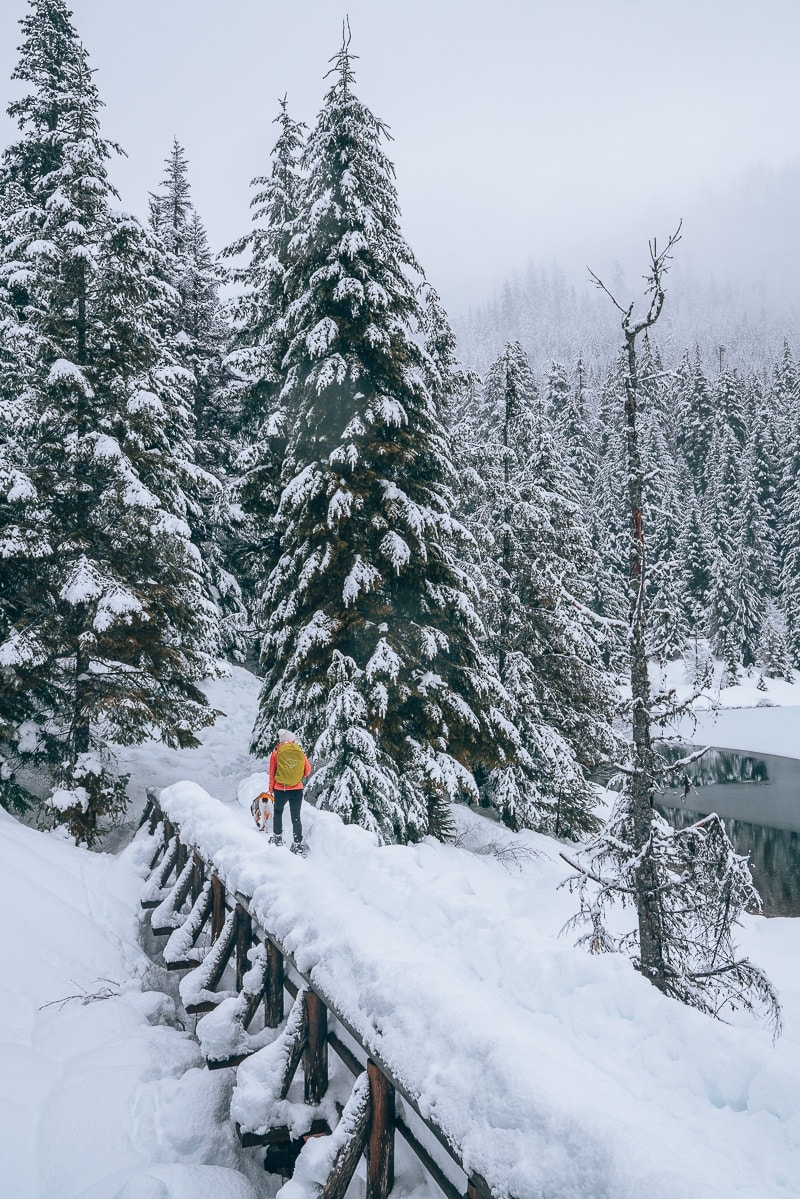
(290,764)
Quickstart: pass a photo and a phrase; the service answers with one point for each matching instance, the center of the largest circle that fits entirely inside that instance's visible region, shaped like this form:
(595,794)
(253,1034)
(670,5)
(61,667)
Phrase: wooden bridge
(244,973)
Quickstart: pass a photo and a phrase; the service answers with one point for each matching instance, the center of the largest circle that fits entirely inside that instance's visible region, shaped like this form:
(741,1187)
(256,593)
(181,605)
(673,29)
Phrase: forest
(275,455)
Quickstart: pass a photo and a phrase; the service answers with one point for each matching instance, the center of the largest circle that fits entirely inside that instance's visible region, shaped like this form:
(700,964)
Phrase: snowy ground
(741,717)
(611,1089)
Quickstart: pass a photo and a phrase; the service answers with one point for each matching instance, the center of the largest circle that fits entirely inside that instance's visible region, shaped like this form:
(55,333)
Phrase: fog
(565,132)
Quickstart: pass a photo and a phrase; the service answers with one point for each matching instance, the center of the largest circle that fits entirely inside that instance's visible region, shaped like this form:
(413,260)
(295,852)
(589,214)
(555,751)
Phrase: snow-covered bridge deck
(548,1072)
(419,1019)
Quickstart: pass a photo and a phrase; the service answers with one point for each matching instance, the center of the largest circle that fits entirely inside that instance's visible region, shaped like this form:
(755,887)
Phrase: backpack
(290,764)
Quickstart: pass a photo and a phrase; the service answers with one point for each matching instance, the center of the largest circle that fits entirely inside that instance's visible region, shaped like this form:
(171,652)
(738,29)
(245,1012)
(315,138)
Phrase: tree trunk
(641,785)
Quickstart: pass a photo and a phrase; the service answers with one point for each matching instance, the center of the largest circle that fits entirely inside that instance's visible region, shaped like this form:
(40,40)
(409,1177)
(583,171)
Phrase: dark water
(758,799)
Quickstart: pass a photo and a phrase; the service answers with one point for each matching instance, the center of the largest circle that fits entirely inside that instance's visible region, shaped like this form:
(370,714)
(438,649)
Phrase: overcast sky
(569,130)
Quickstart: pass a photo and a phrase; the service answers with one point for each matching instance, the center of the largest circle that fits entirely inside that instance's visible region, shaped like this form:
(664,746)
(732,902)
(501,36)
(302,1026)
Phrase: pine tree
(729,399)
(773,658)
(198,336)
(113,626)
(724,486)
(524,513)
(259,346)
(694,417)
(668,626)
(696,556)
(741,579)
(199,331)
(609,537)
(368,595)
(22,543)
(450,384)
(790,555)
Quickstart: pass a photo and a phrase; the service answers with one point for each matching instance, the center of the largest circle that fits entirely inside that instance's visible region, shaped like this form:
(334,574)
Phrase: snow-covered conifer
(368,568)
(197,336)
(695,556)
(115,626)
(730,403)
(773,658)
(260,343)
(525,514)
(694,417)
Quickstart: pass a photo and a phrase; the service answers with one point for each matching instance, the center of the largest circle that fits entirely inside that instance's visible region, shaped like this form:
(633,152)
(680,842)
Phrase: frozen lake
(758,798)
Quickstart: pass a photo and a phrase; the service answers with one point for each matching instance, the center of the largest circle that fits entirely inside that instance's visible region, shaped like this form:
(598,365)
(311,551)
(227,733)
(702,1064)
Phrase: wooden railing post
(478,1187)
(315,1054)
(183,856)
(217,906)
(244,939)
(380,1146)
(198,876)
(273,994)
(154,816)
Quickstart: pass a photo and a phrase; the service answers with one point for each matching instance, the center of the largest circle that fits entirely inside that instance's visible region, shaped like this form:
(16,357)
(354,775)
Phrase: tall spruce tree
(524,510)
(111,625)
(371,648)
(694,416)
(260,343)
(198,338)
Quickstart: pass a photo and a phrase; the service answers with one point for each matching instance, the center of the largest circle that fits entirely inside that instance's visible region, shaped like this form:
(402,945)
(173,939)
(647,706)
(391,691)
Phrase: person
(288,768)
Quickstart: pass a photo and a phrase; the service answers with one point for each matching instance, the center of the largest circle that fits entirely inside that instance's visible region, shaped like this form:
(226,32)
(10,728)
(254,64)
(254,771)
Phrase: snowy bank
(104,1097)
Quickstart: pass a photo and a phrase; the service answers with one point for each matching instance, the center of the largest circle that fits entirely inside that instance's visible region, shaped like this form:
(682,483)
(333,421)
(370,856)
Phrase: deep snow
(565,1075)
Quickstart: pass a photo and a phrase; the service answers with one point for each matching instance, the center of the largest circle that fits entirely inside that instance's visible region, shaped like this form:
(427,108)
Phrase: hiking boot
(276,839)
(299,847)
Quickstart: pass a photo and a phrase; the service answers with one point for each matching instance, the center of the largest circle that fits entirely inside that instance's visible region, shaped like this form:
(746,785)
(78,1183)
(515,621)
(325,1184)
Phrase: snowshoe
(276,840)
(299,847)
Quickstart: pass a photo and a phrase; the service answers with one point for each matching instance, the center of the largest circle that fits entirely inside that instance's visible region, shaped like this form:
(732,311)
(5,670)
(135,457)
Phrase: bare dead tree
(642,776)
(688,887)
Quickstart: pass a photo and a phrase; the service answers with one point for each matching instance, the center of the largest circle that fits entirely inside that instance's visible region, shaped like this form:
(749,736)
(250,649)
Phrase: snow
(84,583)
(743,717)
(362,576)
(64,370)
(560,1074)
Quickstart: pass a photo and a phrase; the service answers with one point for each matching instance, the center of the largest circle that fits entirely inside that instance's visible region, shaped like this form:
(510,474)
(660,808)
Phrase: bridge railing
(186,896)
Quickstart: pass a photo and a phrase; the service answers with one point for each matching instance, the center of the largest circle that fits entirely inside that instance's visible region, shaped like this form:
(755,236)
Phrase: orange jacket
(273,766)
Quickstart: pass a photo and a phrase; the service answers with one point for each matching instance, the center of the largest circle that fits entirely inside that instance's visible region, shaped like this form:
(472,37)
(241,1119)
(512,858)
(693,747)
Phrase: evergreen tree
(609,537)
(724,486)
(260,344)
(695,555)
(199,332)
(741,578)
(525,513)
(565,406)
(111,626)
(450,384)
(694,417)
(729,400)
(668,625)
(789,535)
(198,335)
(368,594)
(773,658)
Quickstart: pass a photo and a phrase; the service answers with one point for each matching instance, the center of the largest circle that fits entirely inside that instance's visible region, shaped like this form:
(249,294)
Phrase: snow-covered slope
(568,1076)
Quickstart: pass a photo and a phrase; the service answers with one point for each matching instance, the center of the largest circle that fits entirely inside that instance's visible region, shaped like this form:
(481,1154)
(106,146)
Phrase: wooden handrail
(477,1186)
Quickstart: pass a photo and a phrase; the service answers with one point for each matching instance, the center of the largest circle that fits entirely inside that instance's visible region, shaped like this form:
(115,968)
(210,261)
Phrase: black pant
(295,799)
